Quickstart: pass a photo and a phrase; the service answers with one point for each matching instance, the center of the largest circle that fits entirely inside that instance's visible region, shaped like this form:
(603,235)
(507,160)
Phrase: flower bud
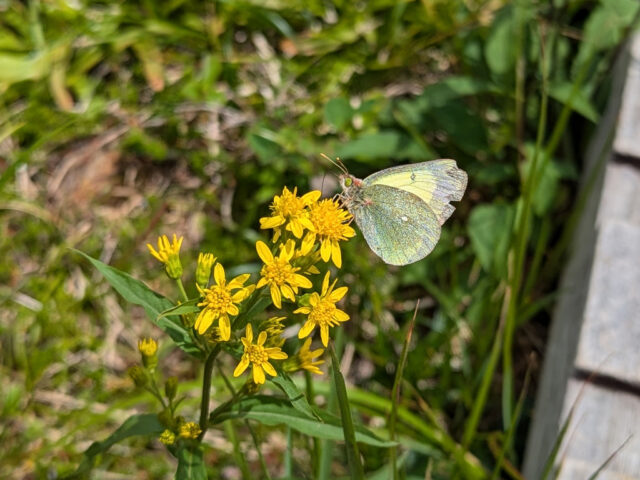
(148,349)
(203,270)
(168,437)
(171,387)
(138,375)
(190,430)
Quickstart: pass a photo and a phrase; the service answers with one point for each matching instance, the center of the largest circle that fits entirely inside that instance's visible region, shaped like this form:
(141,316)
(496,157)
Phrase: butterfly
(400,210)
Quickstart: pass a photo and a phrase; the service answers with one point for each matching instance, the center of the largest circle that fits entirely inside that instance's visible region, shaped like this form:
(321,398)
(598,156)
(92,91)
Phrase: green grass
(120,121)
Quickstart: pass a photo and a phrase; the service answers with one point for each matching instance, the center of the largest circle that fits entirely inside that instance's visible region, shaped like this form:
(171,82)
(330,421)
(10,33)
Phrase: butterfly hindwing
(398,226)
(436,183)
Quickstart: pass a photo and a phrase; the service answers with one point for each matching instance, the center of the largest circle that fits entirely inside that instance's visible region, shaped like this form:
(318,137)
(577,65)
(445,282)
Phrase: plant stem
(183,292)
(206,391)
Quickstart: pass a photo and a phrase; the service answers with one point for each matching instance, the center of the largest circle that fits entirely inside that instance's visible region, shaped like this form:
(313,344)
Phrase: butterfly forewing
(436,183)
(398,226)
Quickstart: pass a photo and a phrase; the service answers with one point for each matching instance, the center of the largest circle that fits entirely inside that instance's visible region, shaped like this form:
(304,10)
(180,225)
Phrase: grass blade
(395,392)
(353,454)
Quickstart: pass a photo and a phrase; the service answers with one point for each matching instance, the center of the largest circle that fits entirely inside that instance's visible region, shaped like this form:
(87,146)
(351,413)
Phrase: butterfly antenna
(337,164)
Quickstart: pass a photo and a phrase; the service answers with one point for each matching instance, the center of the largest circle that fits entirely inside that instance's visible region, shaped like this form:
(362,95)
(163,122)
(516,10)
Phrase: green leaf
(154,304)
(278,411)
(382,145)
(562,92)
(500,49)
(293,393)
(353,454)
(191,463)
(189,306)
(490,228)
(143,424)
(338,112)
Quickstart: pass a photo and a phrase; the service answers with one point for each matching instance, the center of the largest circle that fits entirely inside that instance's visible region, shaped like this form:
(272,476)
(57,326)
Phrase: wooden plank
(595,322)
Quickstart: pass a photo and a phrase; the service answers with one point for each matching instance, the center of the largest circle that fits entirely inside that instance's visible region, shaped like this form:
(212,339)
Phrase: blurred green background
(121,121)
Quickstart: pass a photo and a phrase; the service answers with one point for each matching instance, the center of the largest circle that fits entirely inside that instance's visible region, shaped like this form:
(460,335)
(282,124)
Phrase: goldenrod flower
(290,209)
(169,254)
(168,437)
(330,225)
(304,359)
(220,301)
(148,348)
(322,311)
(203,270)
(190,430)
(258,355)
(279,274)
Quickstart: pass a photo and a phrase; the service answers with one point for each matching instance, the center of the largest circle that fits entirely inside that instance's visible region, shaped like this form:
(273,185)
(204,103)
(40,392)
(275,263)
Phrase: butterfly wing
(398,226)
(436,182)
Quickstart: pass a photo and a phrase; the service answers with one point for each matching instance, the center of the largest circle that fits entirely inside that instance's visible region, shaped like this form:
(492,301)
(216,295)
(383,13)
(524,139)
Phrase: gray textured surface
(603,421)
(610,334)
(627,140)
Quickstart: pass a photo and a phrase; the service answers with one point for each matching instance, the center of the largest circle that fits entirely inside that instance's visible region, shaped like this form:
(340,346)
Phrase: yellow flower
(322,311)
(220,302)
(203,270)
(190,430)
(169,254)
(258,355)
(148,348)
(279,274)
(290,209)
(305,358)
(329,224)
(168,437)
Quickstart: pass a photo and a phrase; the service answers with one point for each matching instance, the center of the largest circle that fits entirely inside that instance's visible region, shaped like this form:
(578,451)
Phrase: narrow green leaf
(182,309)
(353,453)
(154,304)
(278,411)
(144,424)
(293,393)
(191,463)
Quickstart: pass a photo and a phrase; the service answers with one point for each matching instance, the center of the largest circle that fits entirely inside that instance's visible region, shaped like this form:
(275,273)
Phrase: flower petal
(269,369)
(242,366)
(275,296)
(305,310)
(325,250)
(288,293)
(238,282)
(300,281)
(337,294)
(258,374)
(276,353)
(324,335)
(262,338)
(218,275)
(262,282)
(296,228)
(225,328)
(249,334)
(271,222)
(306,329)
(325,283)
(263,252)
(336,255)
(204,321)
(340,316)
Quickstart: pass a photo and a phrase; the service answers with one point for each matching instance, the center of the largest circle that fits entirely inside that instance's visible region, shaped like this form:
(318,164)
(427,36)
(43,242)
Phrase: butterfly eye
(348,182)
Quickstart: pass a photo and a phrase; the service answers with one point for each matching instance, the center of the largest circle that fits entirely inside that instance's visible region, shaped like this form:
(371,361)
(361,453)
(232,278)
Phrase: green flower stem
(183,292)
(206,391)
(155,391)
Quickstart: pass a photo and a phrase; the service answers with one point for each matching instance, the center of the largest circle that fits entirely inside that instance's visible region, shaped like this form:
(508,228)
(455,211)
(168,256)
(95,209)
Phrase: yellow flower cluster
(306,231)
